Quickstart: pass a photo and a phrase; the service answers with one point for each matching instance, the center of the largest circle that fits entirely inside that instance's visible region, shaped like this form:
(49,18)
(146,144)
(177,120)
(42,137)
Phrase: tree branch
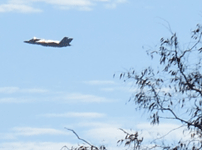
(191,47)
(79,137)
(167,133)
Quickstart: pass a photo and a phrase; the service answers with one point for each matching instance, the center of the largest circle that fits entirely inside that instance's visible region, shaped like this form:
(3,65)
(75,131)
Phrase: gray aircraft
(63,43)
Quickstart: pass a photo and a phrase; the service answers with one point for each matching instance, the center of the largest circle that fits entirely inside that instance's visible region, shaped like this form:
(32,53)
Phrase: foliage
(174,88)
(131,139)
(168,91)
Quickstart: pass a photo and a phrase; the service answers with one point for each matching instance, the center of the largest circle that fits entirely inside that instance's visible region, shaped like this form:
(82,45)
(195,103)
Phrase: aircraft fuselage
(63,43)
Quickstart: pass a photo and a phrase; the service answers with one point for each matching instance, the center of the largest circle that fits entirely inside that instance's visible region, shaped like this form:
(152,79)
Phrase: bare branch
(79,137)
(168,133)
(124,131)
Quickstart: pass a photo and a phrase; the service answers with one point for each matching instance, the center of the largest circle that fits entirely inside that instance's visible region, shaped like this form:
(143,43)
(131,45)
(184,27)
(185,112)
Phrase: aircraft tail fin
(65,41)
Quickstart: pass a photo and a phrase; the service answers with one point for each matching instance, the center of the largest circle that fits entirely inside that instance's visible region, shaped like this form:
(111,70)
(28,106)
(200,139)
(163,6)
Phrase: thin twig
(79,137)
(124,131)
(169,27)
(167,133)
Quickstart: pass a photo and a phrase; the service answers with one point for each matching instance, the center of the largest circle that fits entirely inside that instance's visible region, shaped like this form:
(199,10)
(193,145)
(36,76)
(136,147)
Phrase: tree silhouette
(172,91)
(173,88)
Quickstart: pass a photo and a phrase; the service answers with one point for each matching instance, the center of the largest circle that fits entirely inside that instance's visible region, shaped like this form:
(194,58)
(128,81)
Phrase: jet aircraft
(63,43)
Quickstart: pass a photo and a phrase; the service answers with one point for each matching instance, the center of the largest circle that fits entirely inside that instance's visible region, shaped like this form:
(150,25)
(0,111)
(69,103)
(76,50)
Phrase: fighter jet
(63,43)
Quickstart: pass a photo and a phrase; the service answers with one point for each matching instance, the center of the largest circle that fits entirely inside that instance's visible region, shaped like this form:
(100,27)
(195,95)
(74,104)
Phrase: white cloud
(99,124)
(76,114)
(34,90)
(115,3)
(7,136)
(16,132)
(108,89)
(150,131)
(62,97)
(41,146)
(105,130)
(69,4)
(122,88)
(77,97)
(109,135)
(28,131)
(14,100)
(106,133)
(33,145)
(18,8)
(99,82)
(10,90)
(27,6)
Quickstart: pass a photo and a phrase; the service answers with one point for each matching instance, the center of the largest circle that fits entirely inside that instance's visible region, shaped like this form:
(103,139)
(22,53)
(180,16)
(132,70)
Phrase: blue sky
(44,89)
